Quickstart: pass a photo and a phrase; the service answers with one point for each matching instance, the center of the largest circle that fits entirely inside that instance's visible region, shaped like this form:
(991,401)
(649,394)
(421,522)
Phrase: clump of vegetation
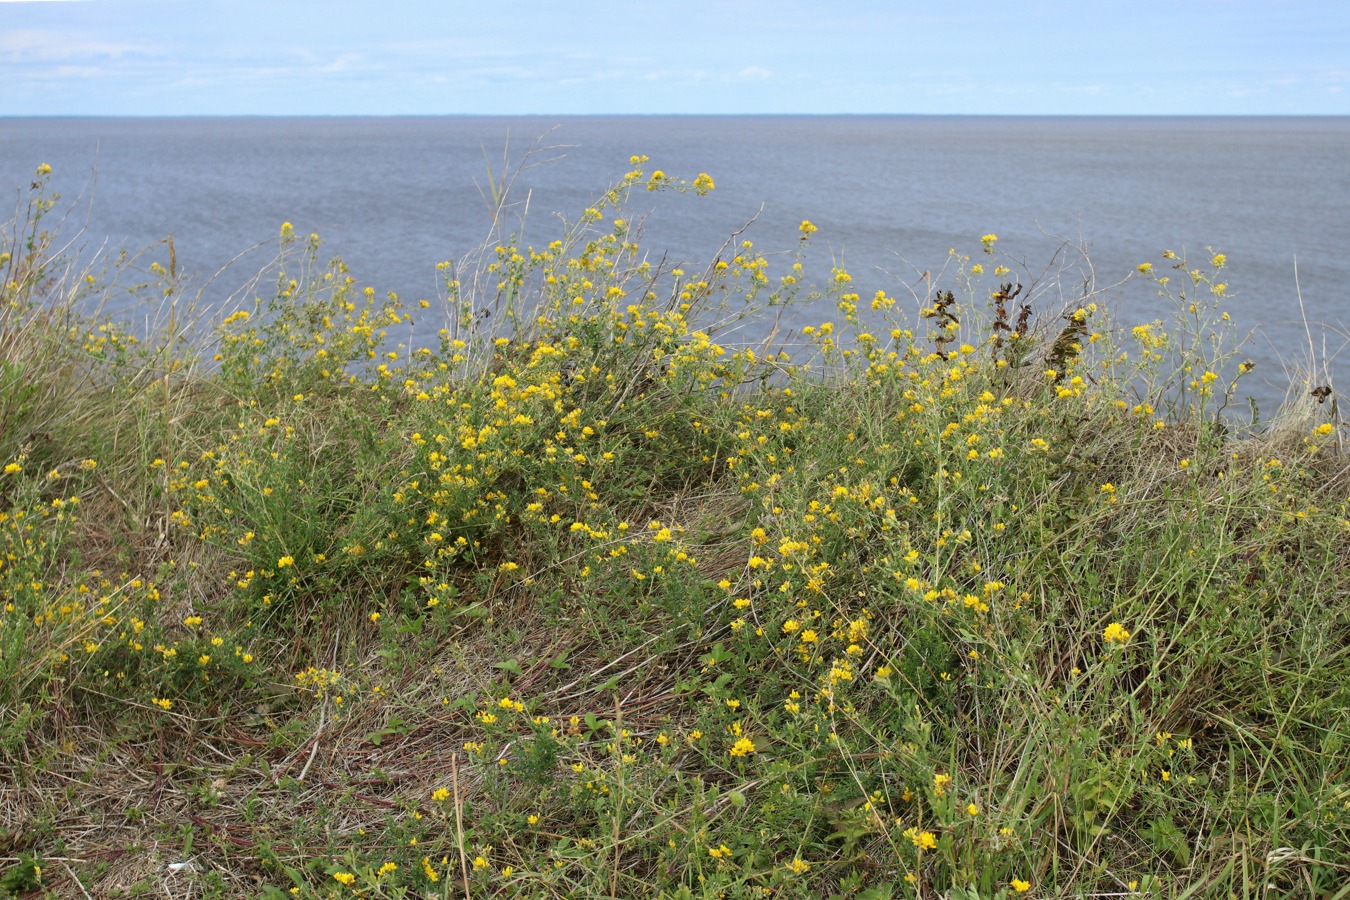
(585,598)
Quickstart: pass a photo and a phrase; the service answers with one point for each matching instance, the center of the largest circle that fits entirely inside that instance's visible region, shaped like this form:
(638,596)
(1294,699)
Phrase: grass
(585,597)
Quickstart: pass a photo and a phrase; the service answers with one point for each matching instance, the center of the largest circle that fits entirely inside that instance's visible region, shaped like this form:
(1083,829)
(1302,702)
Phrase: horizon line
(709,115)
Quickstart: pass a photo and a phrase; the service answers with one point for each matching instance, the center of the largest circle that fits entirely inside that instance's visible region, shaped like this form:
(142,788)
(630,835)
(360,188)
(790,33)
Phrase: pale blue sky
(290,57)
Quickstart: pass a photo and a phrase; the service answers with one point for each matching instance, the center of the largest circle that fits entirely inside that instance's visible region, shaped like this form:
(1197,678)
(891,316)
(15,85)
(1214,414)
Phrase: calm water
(890,194)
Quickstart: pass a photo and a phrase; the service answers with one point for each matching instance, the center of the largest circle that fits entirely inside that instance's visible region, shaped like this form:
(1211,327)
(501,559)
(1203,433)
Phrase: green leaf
(882,892)
(395,726)
(1169,839)
(510,665)
(475,610)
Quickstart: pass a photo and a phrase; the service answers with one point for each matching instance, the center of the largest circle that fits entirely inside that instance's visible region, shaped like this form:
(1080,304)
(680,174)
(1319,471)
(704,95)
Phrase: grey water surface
(891,196)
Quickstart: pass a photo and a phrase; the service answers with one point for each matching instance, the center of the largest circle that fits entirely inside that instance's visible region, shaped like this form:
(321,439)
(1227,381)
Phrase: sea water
(892,197)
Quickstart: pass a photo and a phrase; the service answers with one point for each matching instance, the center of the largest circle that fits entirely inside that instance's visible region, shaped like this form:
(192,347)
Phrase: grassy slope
(606,609)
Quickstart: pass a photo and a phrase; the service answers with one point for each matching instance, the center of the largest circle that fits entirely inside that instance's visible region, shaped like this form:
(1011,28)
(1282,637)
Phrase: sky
(437,57)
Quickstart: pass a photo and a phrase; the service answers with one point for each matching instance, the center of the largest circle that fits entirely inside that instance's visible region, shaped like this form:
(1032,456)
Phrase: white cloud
(29,45)
(347,62)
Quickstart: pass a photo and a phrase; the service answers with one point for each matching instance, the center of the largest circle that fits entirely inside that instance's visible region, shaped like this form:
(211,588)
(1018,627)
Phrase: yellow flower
(743,747)
(345,877)
(1115,633)
(13,469)
(926,840)
(440,795)
(1021,886)
(806,228)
